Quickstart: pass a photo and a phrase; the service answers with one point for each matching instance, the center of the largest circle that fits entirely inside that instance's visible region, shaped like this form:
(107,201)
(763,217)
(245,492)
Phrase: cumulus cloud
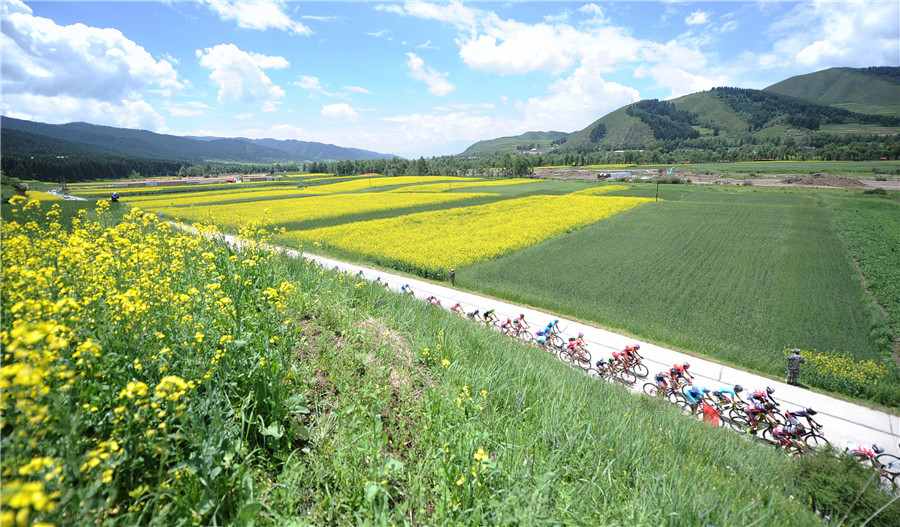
(576,101)
(437,83)
(340,109)
(126,113)
(257,14)
(239,74)
(821,34)
(697,18)
(76,61)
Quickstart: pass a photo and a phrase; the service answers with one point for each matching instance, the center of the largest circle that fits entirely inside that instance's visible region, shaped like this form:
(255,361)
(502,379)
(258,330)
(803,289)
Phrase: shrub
(831,484)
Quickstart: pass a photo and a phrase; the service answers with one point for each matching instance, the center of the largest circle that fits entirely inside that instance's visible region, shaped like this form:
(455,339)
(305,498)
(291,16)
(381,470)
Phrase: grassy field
(191,384)
(734,275)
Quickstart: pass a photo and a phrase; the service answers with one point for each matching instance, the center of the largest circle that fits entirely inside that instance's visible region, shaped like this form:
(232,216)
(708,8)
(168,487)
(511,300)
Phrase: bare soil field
(818,180)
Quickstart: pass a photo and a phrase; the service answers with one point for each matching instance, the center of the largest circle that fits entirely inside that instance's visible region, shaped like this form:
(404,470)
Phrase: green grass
(732,275)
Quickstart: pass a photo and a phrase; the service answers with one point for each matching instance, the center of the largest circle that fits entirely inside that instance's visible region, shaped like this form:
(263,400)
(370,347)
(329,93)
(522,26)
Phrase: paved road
(844,423)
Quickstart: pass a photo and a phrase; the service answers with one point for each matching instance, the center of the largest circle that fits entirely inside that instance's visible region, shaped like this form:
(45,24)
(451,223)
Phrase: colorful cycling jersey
(757,396)
(863,451)
(694,395)
(783,432)
(676,373)
(661,377)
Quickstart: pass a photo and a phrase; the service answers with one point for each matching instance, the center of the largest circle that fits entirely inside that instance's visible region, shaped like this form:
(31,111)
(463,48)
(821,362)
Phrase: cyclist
(662,382)
(520,322)
(677,376)
(489,316)
(728,395)
(759,396)
(457,308)
(865,452)
(788,434)
(632,351)
(683,370)
(695,396)
(473,315)
(507,327)
(406,289)
(806,412)
(603,367)
(433,300)
(755,412)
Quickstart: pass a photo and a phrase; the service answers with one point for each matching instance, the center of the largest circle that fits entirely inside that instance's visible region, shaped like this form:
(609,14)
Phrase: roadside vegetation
(154,377)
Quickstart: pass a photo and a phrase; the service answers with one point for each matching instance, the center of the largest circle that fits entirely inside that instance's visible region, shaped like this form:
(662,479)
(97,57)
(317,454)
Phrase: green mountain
(27,138)
(839,101)
(865,90)
(540,140)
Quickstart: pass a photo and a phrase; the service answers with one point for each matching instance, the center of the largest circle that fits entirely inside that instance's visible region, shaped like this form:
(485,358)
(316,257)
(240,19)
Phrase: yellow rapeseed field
(309,208)
(439,240)
(600,190)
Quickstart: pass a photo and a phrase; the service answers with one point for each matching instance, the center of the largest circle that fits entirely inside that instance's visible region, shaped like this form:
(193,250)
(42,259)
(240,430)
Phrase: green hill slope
(502,145)
(865,90)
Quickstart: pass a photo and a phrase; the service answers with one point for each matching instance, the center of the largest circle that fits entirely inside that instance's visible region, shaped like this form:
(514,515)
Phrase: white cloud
(187,109)
(239,74)
(257,14)
(126,113)
(245,116)
(437,83)
(357,89)
(822,34)
(76,61)
(576,101)
(697,18)
(340,109)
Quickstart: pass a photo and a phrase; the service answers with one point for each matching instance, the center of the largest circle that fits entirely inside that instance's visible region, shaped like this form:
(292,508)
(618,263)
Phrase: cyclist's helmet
(637,346)
(738,388)
(686,365)
(801,429)
(809,411)
(540,333)
(770,390)
(580,335)
(521,315)
(878,449)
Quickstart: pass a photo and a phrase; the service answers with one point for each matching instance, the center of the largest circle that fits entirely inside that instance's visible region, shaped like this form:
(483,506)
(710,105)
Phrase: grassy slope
(395,432)
(718,273)
(843,87)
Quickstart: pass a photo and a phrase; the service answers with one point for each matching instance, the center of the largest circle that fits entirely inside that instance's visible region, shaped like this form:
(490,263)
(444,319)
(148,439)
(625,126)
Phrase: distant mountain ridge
(19,137)
(861,98)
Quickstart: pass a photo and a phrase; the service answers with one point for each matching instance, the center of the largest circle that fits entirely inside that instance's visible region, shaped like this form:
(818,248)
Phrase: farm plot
(732,276)
(297,210)
(430,243)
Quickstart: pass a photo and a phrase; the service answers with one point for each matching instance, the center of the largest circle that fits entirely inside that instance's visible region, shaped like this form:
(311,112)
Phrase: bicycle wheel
(564,355)
(627,377)
(779,417)
(586,354)
(584,362)
(640,370)
(651,389)
(816,441)
(557,341)
(526,336)
(890,466)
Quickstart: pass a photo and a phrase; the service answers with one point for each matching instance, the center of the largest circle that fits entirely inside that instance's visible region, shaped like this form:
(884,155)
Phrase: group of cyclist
(759,410)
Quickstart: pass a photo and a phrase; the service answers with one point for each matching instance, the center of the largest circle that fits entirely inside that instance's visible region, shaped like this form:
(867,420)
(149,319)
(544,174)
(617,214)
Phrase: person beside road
(794,361)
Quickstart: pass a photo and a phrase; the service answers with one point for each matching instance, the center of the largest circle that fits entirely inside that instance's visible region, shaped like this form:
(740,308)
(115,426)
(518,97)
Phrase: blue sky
(408,78)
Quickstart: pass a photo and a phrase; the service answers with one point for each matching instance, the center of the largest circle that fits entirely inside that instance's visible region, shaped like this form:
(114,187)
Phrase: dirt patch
(823,179)
(399,378)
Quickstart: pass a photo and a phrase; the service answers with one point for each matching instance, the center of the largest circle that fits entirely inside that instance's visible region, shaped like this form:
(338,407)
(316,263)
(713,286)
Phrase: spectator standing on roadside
(794,362)
(453,277)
